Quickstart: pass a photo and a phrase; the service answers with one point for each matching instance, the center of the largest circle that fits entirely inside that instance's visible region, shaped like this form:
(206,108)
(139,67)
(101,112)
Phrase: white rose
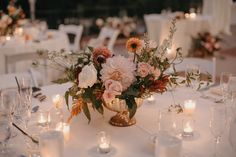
(88,76)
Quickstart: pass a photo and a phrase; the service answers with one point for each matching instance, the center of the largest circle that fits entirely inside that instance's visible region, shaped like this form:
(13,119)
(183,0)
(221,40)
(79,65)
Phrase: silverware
(35,109)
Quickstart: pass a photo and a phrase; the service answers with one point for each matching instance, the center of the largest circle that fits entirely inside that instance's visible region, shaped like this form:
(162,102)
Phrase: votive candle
(189,107)
(57,101)
(104,142)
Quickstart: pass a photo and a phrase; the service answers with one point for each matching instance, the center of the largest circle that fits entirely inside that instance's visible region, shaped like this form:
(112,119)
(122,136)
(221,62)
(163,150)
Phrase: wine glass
(231,98)
(9,102)
(5,133)
(217,124)
(224,80)
(25,106)
(193,71)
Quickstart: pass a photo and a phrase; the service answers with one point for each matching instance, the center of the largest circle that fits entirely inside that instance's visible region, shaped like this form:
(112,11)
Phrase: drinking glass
(224,80)
(194,72)
(231,99)
(5,133)
(217,124)
(9,102)
(25,100)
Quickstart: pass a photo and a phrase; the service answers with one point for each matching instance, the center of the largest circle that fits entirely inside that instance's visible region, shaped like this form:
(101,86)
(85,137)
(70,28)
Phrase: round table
(135,140)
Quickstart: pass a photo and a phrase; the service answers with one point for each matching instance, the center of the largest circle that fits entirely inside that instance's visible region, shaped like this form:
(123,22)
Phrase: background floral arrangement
(10,20)
(126,25)
(205,44)
(99,77)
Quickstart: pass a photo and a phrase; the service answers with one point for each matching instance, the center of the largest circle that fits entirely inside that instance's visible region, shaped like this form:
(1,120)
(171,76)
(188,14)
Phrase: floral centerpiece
(101,79)
(126,25)
(205,44)
(10,20)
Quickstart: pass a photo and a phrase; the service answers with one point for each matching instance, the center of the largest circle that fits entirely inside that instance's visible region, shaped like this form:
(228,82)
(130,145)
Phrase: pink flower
(113,86)
(143,69)
(156,72)
(109,95)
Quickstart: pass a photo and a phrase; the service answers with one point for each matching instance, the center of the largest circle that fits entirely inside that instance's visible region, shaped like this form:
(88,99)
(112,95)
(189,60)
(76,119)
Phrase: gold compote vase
(121,119)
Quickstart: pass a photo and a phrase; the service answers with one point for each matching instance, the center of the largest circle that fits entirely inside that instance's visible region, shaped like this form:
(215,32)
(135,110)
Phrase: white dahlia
(120,69)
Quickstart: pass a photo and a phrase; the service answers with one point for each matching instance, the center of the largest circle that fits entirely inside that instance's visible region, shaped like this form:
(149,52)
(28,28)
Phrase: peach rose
(113,86)
(109,95)
(143,69)
(156,72)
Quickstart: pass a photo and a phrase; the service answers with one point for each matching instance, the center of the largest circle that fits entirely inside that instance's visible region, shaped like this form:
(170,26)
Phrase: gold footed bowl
(121,119)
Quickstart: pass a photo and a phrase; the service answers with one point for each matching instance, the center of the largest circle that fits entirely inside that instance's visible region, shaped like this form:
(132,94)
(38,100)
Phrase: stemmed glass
(5,133)
(217,124)
(9,100)
(224,80)
(25,92)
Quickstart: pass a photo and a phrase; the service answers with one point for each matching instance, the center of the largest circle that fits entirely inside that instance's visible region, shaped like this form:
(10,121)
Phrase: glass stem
(216,141)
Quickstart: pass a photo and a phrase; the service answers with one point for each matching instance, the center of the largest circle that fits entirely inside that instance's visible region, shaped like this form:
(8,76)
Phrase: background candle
(65,129)
(57,101)
(189,107)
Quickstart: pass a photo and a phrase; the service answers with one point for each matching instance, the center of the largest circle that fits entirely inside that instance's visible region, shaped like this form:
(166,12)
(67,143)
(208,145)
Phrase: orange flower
(101,54)
(11,9)
(134,45)
(76,109)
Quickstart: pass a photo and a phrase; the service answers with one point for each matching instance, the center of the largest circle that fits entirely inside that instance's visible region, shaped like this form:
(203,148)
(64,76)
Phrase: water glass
(224,80)
(51,143)
(218,123)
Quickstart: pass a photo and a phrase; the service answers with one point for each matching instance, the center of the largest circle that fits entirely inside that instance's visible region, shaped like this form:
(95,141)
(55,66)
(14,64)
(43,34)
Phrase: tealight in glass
(188,128)
(104,142)
(44,118)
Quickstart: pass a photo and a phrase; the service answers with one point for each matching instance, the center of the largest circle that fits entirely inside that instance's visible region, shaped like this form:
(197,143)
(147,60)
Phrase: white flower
(120,69)
(152,44)
(88,76)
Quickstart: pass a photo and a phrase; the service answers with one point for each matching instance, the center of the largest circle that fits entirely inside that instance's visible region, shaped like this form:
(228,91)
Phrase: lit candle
(43,118)
(57,101)
(188,128)
(186,15)
(151,99)
(65,129)
(104,142)
(189,107)
(192,15)
(8,38)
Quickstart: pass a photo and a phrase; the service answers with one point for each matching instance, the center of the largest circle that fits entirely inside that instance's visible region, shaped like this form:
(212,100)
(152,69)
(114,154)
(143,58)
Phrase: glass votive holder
(65,129)
(51,144)
(189,107)
(43,118)
(167,145)
(57,101)
(188,127)
(104,142)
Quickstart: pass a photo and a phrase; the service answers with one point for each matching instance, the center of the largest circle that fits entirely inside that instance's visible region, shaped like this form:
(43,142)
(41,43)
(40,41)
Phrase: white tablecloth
(158,29)
(134,141)
(57,42)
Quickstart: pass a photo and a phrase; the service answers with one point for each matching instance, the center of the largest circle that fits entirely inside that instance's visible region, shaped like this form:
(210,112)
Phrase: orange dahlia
(101,54)
(134,45)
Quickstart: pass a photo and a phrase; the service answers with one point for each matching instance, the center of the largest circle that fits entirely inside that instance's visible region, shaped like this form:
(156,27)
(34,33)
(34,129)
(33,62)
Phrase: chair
(107,37)
(12,59)
(74,33)
(203,64)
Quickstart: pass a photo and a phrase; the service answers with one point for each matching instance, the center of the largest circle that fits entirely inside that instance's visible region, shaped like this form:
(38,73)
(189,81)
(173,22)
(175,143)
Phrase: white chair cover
(75,30)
